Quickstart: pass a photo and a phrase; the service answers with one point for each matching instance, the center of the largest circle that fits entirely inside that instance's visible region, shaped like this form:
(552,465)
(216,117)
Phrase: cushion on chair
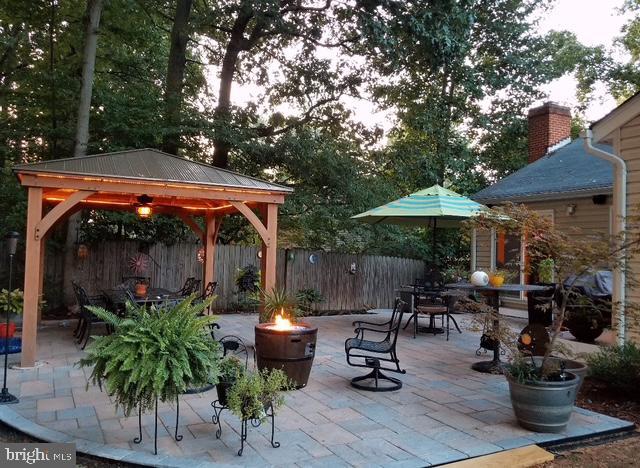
(432,309)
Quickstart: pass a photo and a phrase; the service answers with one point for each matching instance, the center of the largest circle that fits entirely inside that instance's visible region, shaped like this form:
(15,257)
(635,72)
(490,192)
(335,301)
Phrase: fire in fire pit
(283,345)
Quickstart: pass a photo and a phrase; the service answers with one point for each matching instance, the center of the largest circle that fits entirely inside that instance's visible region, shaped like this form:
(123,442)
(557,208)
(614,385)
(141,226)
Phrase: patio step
(522,457)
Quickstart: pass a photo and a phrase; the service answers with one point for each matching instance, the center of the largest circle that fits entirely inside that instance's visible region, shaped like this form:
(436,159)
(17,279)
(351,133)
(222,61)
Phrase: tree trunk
(222,113)
(175,76)
(93,12)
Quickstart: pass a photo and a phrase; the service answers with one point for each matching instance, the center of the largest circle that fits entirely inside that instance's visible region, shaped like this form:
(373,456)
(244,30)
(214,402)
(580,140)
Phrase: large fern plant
(153,353)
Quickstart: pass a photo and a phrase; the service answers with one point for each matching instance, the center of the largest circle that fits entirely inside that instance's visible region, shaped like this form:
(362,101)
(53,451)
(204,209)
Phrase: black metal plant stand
(255,422)
(218,408)
(5,396)
(176,436)
(215,419)
(138,439)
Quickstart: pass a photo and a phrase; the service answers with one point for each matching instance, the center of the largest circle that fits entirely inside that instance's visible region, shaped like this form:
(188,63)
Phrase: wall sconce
(143,207)
(571,209)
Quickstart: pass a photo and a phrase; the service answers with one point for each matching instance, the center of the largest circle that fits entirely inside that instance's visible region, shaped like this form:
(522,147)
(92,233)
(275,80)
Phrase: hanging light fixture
(143,207)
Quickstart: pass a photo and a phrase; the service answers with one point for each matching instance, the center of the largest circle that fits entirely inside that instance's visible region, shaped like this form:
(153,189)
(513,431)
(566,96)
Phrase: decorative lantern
(143,207)
(83,251)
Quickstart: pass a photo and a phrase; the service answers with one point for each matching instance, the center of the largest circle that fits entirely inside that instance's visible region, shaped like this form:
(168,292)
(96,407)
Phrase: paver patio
(445,411)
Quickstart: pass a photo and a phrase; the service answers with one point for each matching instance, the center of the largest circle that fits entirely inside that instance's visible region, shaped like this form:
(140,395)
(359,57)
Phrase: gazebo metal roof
(152,165)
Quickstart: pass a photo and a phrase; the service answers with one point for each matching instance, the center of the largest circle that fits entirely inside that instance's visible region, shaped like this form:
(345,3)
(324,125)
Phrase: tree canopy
(456,77)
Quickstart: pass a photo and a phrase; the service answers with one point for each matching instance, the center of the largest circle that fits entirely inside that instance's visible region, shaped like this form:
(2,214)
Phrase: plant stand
(255,423)
(215,419)
(176,436)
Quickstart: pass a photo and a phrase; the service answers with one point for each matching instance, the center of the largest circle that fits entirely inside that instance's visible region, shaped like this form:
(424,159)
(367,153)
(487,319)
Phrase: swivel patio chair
(368,353)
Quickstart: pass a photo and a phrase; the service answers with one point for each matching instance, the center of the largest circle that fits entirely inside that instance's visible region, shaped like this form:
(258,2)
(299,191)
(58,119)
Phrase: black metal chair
(430,300)
(191,285)
(367,353)
(87,319)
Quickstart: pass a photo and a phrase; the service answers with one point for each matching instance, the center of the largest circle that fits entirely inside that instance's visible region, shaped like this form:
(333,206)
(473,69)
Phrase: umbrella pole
(433,248)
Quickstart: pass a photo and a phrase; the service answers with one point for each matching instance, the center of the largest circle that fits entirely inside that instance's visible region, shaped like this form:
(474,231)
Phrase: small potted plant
(231,369)
(497,277)
(247,282)
(254,393)
(10,302)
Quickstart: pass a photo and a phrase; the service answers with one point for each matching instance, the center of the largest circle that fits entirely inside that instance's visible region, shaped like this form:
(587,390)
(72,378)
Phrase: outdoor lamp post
(12,245)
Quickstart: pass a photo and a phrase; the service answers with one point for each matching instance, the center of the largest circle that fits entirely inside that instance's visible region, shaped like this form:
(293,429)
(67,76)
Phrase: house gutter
(619,224)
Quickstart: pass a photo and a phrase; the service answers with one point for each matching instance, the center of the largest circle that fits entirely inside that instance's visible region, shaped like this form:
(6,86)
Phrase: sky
(594,22)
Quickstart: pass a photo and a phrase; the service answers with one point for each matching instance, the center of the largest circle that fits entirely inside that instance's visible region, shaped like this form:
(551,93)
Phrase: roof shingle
(567,171)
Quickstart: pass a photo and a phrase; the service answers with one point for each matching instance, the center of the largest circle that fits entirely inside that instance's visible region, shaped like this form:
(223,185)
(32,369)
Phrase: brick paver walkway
(444,412)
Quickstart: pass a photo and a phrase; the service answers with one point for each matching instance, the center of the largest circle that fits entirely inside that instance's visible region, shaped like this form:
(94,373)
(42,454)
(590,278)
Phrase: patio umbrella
(434,207)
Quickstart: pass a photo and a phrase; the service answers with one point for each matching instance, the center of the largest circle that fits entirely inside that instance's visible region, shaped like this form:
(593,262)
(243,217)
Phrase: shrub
(253,392)
(617,366)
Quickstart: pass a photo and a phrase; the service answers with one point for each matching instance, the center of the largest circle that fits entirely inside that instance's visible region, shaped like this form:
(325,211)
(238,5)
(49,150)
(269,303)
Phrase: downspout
(619,223)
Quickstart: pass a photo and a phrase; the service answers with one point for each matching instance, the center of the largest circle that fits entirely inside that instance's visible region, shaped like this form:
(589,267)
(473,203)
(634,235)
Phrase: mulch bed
(602,398)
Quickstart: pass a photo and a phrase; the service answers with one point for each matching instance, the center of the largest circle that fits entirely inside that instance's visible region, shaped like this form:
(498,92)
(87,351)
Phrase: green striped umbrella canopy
(434,206)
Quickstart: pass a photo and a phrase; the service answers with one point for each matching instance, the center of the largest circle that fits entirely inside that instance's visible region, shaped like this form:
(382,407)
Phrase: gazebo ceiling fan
(143,207)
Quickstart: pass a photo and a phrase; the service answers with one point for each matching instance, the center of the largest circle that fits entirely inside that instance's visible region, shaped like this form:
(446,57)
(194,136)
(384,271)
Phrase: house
(620,129)
(562,180)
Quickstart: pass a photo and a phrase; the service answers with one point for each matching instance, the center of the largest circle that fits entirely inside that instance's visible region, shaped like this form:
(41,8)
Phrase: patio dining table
(119,297)
(492,293)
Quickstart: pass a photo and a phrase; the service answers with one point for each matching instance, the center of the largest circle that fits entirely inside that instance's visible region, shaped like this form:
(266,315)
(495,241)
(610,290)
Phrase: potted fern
(154,354)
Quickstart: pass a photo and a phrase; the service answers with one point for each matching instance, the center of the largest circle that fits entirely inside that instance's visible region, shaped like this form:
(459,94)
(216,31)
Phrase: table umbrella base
(488,367)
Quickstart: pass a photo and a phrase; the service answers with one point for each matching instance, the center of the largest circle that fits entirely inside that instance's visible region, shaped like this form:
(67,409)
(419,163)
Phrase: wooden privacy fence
(347,282)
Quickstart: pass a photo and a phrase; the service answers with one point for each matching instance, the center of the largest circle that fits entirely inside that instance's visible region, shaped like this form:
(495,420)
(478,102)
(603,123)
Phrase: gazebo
(140,180)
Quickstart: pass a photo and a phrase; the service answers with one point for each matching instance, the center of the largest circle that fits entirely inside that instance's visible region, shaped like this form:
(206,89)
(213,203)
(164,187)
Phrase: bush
(617,366)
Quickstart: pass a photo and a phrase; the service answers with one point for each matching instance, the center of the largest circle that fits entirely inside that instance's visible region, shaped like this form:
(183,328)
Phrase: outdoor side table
(493,296)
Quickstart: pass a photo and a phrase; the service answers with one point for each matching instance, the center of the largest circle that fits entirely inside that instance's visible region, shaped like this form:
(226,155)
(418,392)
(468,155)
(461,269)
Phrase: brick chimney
(549,124)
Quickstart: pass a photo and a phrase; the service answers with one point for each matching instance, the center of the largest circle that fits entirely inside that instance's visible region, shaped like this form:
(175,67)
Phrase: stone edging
(95,449)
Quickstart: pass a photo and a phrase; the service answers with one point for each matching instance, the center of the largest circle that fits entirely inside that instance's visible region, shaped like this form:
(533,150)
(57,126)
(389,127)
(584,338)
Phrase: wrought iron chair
(87,319)
(429,299)
(363,352)
(191,285)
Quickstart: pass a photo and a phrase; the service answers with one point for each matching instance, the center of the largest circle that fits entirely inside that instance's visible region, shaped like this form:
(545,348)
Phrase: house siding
(629,149)
(589,219)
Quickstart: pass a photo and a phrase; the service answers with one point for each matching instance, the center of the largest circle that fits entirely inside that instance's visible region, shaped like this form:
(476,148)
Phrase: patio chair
(430,300)
(368,353)
(87,319)
(191,285)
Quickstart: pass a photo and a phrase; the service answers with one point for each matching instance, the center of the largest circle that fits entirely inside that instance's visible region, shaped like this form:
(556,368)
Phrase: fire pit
(286,346)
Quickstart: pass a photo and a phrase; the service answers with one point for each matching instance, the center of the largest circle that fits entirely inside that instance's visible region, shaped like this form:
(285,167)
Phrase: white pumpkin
(479,278)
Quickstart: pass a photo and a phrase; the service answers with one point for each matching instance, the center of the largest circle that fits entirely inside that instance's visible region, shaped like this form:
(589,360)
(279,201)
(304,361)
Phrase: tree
(175,75)
(275,44)
(94,10)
